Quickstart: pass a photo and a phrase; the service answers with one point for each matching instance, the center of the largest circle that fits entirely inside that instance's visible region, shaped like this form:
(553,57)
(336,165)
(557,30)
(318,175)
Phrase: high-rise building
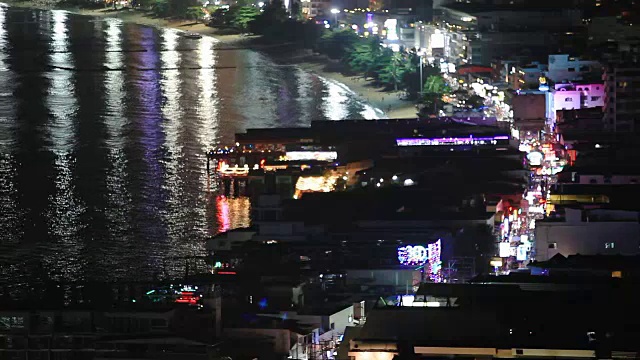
(622,96)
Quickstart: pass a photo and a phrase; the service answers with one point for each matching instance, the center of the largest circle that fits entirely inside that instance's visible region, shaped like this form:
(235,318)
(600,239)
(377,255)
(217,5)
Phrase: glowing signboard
(435,262)
(312,155)
(521,254)
(505,250)
(437,40)
(391,25)
(429,256)
(471,140)
(535,158)
(413,255)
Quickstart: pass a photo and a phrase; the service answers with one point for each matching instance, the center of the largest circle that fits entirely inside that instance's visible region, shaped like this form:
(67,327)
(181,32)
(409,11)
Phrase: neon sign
(413,255)
(535,158)
(434,262)
(471,140)
(311,155)
(429,256)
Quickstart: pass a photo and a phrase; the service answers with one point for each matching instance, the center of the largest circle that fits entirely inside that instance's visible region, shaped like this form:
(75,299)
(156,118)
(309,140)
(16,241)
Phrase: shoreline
(388,102)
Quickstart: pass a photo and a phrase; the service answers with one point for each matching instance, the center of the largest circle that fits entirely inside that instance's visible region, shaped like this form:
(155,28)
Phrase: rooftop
(590,262)
(508,318)
(605,169)
(393,203)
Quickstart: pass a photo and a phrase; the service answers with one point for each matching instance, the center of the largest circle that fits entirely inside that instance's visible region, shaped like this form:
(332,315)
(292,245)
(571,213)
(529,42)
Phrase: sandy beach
(389,102)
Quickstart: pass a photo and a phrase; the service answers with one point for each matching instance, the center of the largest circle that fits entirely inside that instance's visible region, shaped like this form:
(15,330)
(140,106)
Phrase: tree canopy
(244,16)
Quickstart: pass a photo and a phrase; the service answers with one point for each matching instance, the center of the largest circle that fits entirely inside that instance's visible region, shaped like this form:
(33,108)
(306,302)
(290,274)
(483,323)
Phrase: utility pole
(217,296)
(421,82)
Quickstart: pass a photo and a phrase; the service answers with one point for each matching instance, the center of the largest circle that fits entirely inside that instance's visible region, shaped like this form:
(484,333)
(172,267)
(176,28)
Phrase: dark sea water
(103,130)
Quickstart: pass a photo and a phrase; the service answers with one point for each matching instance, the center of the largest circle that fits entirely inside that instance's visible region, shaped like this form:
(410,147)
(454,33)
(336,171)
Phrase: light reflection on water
(118,199)
(103,130)
(65,226)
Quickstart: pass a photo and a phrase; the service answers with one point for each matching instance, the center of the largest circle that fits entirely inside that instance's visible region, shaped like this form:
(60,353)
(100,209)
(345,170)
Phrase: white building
(313,8)
(593,232)
(439,42)
(316,331)
(578,96)
(564,68)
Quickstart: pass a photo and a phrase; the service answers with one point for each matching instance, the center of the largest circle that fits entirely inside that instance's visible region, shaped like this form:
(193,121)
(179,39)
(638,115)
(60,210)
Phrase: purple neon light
(449,141)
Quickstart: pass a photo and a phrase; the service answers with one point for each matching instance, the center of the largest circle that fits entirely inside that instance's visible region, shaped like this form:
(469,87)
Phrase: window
(567,99)
(553,245)
(609,245)
(571,69)
(595,98)
(333,326)
(11,322)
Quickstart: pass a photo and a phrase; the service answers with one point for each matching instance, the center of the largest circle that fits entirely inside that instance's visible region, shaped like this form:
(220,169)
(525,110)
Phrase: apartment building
(622,97)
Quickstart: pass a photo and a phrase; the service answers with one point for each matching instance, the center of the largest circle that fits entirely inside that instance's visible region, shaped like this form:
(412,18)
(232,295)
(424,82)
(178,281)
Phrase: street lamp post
(421,82)
(335,13)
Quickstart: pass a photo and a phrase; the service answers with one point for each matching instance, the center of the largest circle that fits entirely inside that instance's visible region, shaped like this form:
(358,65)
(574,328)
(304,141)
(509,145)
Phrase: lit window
(553,245)
(609,245)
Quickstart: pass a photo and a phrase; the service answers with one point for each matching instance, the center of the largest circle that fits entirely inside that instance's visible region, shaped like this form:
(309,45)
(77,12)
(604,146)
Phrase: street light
(421,82)
(335,13)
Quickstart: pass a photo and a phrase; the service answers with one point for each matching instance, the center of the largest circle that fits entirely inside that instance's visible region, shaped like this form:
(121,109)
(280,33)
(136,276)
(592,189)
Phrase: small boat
(191,35)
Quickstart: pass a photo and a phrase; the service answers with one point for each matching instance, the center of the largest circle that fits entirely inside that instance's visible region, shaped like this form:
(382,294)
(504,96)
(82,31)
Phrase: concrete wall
(615,179)
(281,337)
(575,236)
(578,96)
(400,278)
(340,321)
(567,99)
(529,106)
(562,67)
